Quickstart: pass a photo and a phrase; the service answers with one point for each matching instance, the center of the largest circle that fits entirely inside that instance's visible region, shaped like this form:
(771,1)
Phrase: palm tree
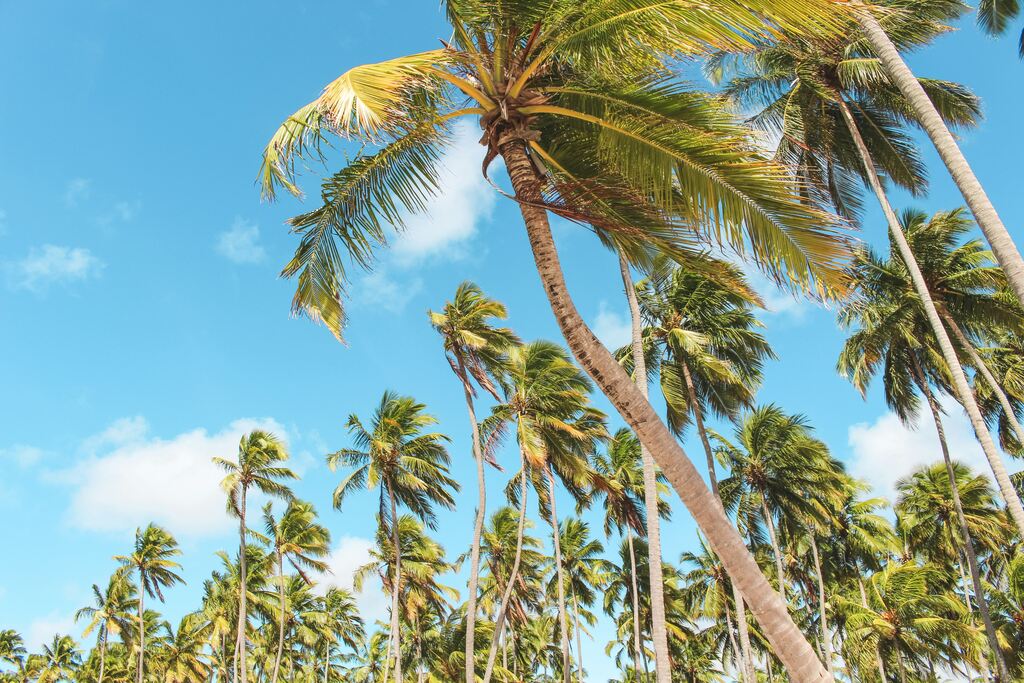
(151,560)
(893,338)
(183,658)
(108,614)
(12,647)
(408,466)
(1008,612)
(909,621)
(475,350)
(547,401)
(59,661)
(341,623)
(298,538)
(626,148)
(924,110)
(258,467)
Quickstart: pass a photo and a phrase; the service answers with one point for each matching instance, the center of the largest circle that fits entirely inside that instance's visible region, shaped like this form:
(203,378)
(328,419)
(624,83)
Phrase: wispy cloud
(21,455)
(3,222)
(120,212)
(54,264)
(612,328)
(349,554)
(381,289)
(77,191)
(241,243)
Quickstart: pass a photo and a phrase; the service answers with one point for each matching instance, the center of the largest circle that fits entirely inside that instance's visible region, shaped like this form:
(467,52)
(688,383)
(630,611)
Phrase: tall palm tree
(12,647)
(909,621)
(475,350)
(152,561)
(1008,611)
(408,466)
(341,623)
(257,467)
(547,403)
(298,538)
(625,148)
(925,111)
(184,659)
(893,338)
(59,660)
(108,614)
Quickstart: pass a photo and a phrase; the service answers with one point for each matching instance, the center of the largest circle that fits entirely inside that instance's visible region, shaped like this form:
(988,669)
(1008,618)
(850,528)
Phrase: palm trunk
(635,600)
(563,619)
(280,629)
(506,598)
(243,591)
(881,665)
(576,628)
(986,373)
(103,654)
(965,532)
(396,589)
(776,549)
(327,663)
(478,525)
(988,220)
(768,607)
(960,385)
(659,627)
(142,626)
(746,659)
(826,637)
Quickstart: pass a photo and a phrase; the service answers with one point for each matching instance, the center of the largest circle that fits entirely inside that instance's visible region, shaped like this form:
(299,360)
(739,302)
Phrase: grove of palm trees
(717,150)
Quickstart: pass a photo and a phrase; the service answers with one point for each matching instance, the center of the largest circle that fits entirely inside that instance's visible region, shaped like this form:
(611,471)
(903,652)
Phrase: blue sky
(143,326)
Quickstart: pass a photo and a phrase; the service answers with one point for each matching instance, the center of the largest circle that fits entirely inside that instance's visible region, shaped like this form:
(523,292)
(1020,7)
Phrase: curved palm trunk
(478,525)
(563,619)
(506,598)
(659,627)
(986,372)
(1003,247)
(960,385)
(826,637)
(396,591)
(768,607)
(241,667)
(746,660)
(776,549)
(142,626)
(280,625)
(635,600)
(965,532)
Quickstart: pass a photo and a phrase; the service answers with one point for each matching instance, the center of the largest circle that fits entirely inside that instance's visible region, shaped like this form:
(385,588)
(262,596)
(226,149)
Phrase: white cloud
(42,630)
(122,211)
(451,217)
(350,553)
(3,222)
(52,264)
(78,189)
(381,290)
(129,478)
(21,455)
(241,243)
(886,450)
(612,328)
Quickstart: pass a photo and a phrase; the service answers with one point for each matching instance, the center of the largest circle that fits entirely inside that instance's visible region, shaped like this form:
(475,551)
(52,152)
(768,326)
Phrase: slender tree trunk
(327,663)
(506,598)
(988,220)
(635,600)
(986,373)
(397,588)
(142,625)
(280,625)
(103,654)
(881,665)
(241,665)
(965,532)
(776,549)
(826,636)
(576,628)
(659,627)
(733,645)
(563,619)
(478,525)
(746,660)
(903,670)
(960,385)
(768,607)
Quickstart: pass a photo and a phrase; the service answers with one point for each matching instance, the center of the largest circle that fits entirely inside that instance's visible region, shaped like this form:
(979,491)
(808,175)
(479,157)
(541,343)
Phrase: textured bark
(826,636)
(635,595)
(986,373)
(478,525)
(579,642)
(960,386)
(563,619)
(103,655)
(506,598)
(659,629)
(1003,247)
(981,601)
(769,609)
(280,624)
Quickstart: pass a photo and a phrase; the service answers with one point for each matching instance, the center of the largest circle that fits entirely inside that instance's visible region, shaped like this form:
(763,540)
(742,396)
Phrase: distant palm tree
(298,538)
(151,560)
(475,350)
(12,647)
(585,573)
(183,658)
(59,661)
(108,615)
(409,467)
(340,623)
(258,467)
(1008,612)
